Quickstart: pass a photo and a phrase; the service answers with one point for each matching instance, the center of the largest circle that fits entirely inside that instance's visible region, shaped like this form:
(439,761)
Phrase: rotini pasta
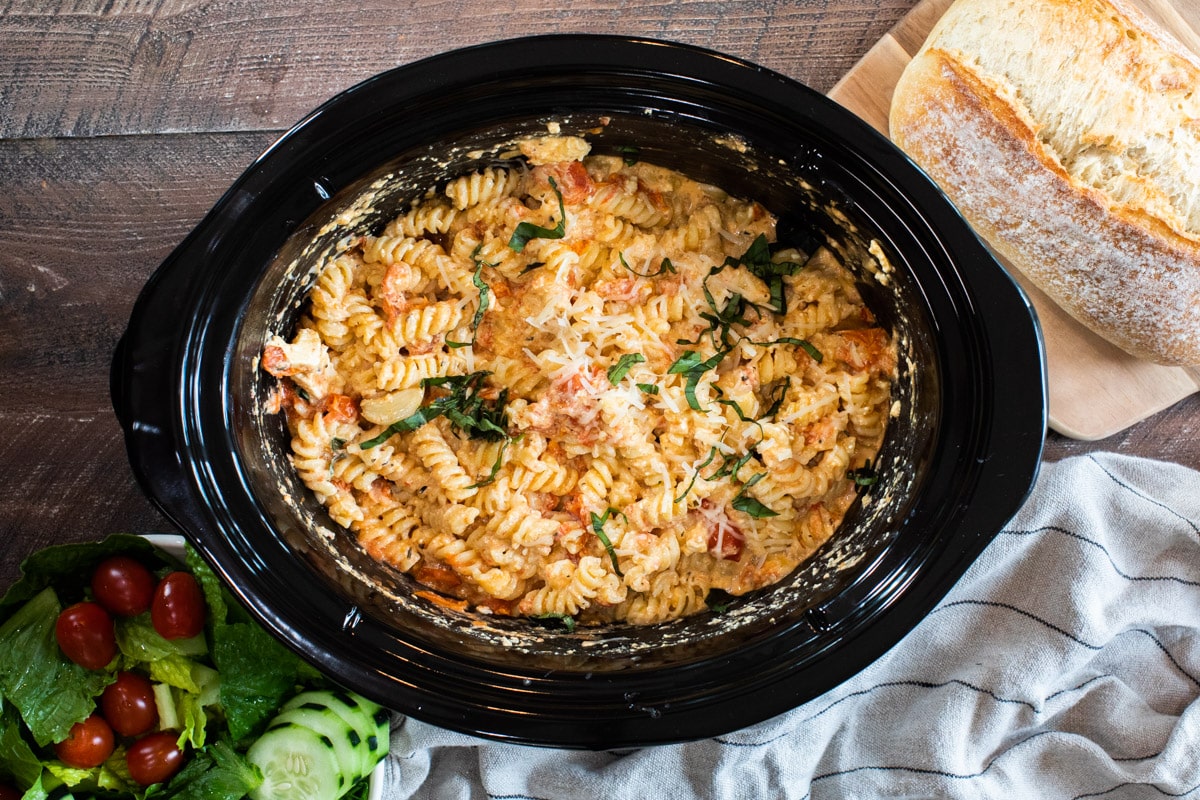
(584,388)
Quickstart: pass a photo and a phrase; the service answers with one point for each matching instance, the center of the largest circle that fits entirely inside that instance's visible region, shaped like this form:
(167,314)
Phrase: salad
(125,673)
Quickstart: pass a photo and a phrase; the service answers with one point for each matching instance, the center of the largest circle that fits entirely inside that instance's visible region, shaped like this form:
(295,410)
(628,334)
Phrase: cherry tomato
(9,793)
(87,745)
(123,586)
(128,704)
(85,634)
(154,758)
(177,610)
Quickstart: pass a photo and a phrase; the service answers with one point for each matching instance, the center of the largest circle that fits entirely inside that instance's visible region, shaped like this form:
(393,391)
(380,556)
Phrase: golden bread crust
(1118,251)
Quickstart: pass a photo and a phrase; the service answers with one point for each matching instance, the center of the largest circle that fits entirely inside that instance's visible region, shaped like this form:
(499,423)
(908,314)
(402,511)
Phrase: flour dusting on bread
(1068,133)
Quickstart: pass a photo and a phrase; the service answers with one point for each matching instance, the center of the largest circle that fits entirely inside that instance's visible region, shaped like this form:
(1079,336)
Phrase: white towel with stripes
(1065,664)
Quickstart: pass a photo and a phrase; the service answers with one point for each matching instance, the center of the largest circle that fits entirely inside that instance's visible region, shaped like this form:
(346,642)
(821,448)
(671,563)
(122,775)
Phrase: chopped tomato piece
(391,290)
(276,362)
(504,608)
(866,348)
(445,602)
(726,541)
(341,407)
(572,178)
(437,576)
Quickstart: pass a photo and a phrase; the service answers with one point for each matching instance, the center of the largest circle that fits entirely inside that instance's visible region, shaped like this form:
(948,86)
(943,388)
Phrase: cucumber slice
(379,744)
(356,711)
(297,763)
(348,746)
(371,721)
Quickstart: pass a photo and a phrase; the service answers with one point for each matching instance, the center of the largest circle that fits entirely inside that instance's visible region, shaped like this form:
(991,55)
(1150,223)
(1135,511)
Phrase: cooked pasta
(584,388)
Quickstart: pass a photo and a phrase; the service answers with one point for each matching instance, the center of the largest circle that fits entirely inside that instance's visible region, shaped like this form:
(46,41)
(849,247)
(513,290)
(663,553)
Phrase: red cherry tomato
(177,610)
(128,704)
(154,758)
(87,745)
(123,586)
(85,634)
(9,793)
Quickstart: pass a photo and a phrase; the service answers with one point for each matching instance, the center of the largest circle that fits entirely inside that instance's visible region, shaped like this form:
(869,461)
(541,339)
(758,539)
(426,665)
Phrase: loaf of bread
(1067,132)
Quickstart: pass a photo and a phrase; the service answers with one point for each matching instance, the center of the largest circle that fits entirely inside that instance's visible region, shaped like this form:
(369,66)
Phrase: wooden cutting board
(1096,390)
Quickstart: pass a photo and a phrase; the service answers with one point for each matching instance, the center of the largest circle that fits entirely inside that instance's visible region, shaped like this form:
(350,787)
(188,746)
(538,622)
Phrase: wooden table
(122,122)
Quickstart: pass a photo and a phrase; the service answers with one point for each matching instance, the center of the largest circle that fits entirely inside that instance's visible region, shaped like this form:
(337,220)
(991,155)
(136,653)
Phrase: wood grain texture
(121,123)
(1171,435)
(83,225)
(103,68)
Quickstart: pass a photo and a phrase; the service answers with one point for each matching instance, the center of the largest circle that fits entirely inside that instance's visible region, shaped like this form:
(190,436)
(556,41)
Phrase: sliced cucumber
(380,743)
(354,731)
(352,757)
(297,763)
(369,719)
(357,711)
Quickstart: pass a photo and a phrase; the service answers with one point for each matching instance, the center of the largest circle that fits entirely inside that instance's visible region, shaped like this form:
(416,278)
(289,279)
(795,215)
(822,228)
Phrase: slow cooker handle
(141,391)
(118,391)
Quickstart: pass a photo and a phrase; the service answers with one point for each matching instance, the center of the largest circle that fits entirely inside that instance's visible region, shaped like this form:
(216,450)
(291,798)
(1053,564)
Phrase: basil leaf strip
(527,230)
(812,351)
(690,366)
(757,259)
(566,621)
(485,293)
(664,267)
(618,371)
(722,320)
(648,388)
(737,409)
(685,363)
(730,466)
(598,529)
(778,401)
(864,475)
(462,406)
(748,505)
(711,455)
(495,466)
(424,414)
(803,344)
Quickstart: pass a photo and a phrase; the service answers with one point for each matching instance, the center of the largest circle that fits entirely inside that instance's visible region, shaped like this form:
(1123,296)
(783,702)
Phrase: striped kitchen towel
(1064,664)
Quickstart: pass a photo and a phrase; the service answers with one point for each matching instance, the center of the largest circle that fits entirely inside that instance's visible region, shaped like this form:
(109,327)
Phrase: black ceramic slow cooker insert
(960,456)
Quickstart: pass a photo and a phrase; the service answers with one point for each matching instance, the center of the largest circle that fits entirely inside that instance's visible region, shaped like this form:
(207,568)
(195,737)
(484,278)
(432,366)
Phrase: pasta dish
(584,387)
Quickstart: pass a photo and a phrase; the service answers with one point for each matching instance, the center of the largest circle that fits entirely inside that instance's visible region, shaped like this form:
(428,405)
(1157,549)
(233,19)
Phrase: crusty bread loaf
(1068,134)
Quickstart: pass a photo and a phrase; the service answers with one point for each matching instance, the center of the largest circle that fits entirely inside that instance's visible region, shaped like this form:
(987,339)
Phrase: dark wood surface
(121,122)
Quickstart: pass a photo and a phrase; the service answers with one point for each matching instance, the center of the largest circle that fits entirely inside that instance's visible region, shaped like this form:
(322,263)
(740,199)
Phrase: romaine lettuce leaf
(51,692)
(216,773)
(16,756)
(138,641)
(210,584)
(257,672)
(175,671)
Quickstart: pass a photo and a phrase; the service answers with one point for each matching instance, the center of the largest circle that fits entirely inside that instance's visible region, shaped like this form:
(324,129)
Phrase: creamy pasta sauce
(584,388)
